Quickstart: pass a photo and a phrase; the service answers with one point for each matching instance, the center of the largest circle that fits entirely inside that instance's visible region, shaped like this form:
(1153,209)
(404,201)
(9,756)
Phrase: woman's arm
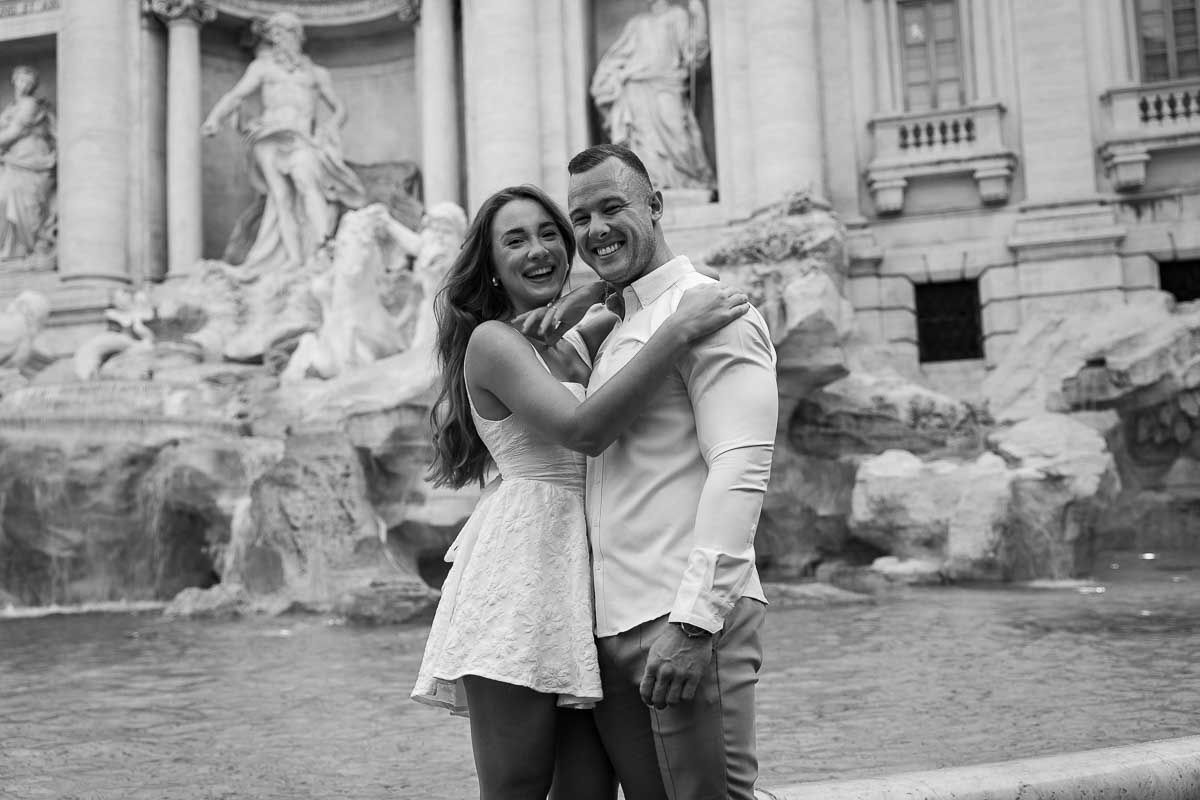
(501,362)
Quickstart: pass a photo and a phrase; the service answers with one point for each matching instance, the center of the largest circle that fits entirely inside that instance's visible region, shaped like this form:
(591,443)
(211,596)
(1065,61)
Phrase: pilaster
(1056,104)
(183,19)
(438,92)
(94,129)
(784,81)
(503,97)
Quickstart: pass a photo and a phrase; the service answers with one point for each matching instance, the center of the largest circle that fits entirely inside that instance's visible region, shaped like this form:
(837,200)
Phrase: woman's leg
(582,770)
(512,734)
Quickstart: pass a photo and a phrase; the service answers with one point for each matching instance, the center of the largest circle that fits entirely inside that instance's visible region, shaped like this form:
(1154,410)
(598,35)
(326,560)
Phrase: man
(642,90)
(672,509)
(294,162)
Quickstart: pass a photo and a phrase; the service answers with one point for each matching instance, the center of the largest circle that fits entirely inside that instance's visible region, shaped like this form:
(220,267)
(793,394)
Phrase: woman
(512,637)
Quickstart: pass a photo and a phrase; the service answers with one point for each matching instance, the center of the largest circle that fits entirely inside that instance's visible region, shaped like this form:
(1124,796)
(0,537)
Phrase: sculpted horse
(356,327)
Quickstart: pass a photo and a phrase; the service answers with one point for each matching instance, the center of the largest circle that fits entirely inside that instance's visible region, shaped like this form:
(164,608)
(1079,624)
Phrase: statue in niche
(27,160)
(643,89)
(295,158)
(357,326)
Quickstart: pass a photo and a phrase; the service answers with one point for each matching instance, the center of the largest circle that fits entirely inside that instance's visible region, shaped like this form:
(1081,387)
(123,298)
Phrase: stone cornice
(198,11)
(324,12)
(19,8)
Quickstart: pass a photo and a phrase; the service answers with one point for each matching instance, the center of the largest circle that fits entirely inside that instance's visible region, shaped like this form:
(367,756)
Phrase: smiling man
(672,510)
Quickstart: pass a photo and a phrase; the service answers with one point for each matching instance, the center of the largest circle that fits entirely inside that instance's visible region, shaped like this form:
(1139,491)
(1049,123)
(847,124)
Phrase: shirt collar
(650,286)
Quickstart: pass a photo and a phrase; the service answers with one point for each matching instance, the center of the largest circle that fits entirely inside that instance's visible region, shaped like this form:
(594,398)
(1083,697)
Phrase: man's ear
(656,205)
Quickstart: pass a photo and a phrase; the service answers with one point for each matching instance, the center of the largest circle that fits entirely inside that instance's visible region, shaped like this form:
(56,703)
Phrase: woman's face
(529,254)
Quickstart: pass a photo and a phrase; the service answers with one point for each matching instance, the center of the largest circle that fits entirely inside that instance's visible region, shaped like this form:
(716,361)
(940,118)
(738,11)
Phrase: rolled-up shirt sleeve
(731,383)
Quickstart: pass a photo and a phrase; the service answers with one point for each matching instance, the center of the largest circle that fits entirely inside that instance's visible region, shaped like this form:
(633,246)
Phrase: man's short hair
(597,154)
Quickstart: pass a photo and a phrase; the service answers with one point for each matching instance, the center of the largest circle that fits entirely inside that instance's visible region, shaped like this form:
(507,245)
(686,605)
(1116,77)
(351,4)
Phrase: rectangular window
(1169,39)
(1181,279)
(948,321)
(931,54)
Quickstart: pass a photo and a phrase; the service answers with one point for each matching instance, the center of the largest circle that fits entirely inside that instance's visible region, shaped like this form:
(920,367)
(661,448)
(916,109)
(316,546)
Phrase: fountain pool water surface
(99,707)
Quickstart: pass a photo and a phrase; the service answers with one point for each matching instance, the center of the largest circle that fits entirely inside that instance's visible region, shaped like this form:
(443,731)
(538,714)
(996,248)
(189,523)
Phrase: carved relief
(323,12)
(199,11)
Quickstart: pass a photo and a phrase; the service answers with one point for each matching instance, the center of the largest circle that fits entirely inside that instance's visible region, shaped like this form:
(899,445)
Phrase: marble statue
(356,327)
(27,159)
(642,88)
(127,317)
(20,324)
(295,155)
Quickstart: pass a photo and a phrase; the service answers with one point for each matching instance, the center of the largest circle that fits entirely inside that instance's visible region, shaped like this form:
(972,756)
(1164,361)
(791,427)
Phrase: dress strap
(539,358)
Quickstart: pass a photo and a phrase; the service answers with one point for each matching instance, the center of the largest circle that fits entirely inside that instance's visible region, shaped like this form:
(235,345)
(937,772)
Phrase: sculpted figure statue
(27,158)
(20,324)
(127,318)
(295,161)
(356,328)
(641,88)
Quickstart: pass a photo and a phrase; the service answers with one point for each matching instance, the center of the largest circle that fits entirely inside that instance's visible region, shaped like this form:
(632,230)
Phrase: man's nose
(597,227)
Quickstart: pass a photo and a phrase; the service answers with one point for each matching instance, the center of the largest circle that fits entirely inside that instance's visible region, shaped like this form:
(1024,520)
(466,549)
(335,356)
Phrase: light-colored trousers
(692,751)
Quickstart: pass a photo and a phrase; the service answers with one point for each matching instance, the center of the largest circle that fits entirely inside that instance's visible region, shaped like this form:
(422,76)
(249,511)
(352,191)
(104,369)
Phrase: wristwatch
(693,631)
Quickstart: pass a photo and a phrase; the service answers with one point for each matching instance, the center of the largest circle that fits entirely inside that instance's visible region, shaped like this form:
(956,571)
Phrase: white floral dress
(517,604)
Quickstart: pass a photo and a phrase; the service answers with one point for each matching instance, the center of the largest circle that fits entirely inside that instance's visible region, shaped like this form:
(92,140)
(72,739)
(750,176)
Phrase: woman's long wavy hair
(468,298)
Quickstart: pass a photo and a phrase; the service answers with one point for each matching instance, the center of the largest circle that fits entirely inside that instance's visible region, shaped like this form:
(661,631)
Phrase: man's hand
(674,667)
(210,128)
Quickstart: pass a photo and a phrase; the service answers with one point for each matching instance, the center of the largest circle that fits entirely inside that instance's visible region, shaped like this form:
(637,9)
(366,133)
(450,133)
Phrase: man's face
(613,213)
(284,38)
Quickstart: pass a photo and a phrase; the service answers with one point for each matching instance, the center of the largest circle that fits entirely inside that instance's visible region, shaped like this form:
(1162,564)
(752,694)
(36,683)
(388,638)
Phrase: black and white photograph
(599,399)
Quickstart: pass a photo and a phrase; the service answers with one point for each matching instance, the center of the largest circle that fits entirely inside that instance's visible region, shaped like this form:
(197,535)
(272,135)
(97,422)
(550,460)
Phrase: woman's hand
(706,309)
(549,323)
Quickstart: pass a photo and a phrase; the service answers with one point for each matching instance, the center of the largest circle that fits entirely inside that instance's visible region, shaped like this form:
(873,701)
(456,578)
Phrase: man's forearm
(722,557)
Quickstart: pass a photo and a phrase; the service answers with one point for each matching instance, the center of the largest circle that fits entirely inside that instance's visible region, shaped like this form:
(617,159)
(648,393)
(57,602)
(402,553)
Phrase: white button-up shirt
(673,504)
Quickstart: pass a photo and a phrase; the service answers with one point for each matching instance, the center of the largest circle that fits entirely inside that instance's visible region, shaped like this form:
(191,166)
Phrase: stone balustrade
(966,140)
(1144,118)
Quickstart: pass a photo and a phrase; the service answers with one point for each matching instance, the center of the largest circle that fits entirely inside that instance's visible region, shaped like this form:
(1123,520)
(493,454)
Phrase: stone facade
(1055,176)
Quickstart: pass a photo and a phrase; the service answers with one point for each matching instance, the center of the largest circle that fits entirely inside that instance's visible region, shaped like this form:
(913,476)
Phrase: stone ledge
(1168,769)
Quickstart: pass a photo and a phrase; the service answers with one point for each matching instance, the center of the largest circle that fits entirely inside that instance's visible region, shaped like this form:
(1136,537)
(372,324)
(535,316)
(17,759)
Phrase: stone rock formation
(1017,512)
(1133,372)
(791,259)
(306,494)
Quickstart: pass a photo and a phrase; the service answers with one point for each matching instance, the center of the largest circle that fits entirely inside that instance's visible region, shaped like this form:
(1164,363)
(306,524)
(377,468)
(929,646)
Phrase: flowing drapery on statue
(296,163)
(27,160)
(642,88)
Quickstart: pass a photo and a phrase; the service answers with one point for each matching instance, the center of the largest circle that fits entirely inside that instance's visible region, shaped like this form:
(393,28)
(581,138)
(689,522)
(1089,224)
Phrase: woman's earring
(494,281)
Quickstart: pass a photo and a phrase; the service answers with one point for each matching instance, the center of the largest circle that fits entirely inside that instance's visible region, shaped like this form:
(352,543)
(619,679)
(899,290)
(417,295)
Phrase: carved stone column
(786,98)
(503,101)
(183,19)
(438,93)
(93,140)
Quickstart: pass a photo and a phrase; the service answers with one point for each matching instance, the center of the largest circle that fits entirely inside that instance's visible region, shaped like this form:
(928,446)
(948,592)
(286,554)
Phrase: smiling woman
(530,254)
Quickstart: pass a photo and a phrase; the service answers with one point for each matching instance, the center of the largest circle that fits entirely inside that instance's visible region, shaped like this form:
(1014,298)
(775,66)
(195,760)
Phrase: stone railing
(967,140)
(1164,770)
(1144,118)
